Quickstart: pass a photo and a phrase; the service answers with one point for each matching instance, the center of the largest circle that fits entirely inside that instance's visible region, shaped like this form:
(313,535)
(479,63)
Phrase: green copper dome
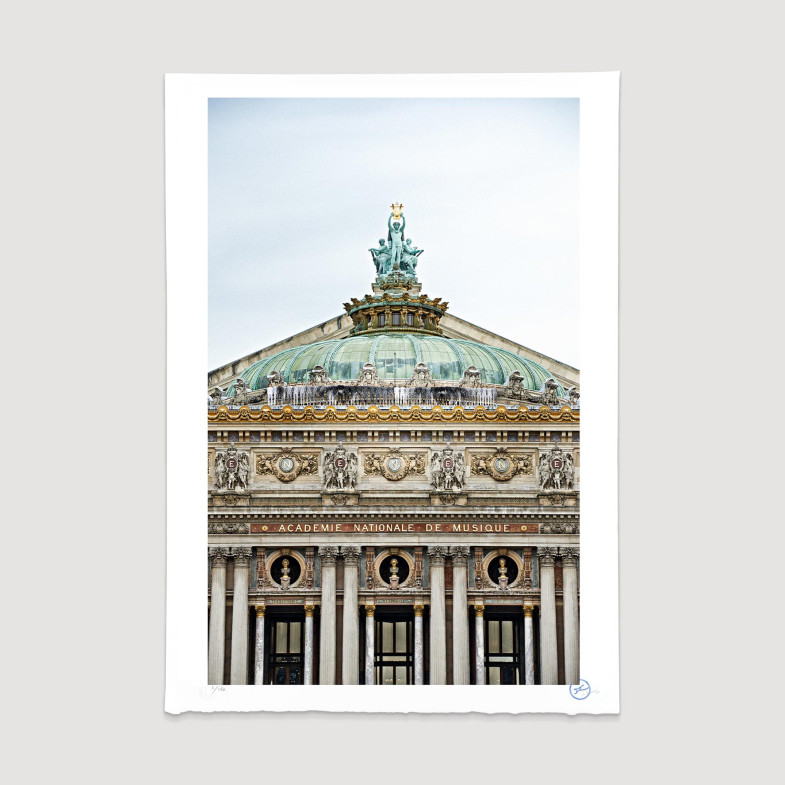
(395,356)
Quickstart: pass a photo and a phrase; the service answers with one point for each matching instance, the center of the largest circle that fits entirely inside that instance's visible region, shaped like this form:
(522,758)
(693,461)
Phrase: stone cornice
(393,414)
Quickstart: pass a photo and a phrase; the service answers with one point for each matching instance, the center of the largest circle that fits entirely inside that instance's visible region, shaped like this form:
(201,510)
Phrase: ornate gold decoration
(309,609)
(370,610)
(479,610)
(418,610)
(260,611)
(394,464)
(528,610)
(394,414)
(503,465)
(396,210)
(286,464)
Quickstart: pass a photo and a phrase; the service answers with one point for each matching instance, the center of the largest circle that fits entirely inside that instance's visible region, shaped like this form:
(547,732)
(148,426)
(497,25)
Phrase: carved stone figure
(274,379)
(286,579)
(503,579)
(216,397)
(318,376)
(447,470)
(556,470)
(340,470)
(574,396)
(421,377)
(369,375)
(550,396)
(232,469)
(471,378)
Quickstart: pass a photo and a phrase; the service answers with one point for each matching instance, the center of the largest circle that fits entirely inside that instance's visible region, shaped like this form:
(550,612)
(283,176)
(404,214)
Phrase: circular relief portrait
(503,565)
(394,565)
(285,565)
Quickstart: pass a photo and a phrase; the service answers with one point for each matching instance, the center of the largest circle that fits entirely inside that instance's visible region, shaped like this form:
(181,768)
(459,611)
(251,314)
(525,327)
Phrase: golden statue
(393,566)
(396,208)
(285,567)
(502,566)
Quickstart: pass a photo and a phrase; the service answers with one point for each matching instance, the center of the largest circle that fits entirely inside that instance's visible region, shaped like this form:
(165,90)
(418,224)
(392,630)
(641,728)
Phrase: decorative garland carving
(227,527)
(502,465)
(286,464)
(394,464)
(393,414)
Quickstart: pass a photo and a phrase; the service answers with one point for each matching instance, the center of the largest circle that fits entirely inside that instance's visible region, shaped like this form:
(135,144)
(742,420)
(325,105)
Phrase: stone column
(549,664)
(479,635)
(436,555)
(419,646)
(370,644)
(215,659)
(258,671)
(239,666)
(570,585)
(528,644)
(328,554)
(308,646)
(351,622)
(460,615)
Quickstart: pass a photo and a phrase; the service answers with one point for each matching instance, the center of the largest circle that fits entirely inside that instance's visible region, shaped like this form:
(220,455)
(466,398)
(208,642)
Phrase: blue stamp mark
(580,691)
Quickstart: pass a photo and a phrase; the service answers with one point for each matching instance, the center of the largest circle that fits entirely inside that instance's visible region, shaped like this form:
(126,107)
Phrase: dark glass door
(285,647)
(503,650)
(394,649)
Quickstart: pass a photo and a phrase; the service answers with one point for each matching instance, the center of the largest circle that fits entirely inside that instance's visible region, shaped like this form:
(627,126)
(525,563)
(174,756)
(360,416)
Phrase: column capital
(547,556)
(459,553)
(528,610)
(259,611)
(370,610)
(418,610)
(309,609)
(328,553)
(479,610)
(351,553)
(241,554)
(569,555)
(218,555)
(437,553)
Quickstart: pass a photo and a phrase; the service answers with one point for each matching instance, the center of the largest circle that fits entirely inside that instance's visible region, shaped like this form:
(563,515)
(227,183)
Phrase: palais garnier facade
(394,498)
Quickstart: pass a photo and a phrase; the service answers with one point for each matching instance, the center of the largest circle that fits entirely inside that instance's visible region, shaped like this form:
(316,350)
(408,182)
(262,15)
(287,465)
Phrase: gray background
(83,557)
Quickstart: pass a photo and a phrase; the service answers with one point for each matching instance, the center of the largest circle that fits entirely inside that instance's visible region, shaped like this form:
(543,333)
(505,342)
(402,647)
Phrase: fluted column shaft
(351,623)
(239,666)
(215,658)
(528,644)
(419,646)
(258,670)
(370,644)
(327,657)
(570,586)
(308,647)
(479,636)
(460,615)
(436,555)
(549,663)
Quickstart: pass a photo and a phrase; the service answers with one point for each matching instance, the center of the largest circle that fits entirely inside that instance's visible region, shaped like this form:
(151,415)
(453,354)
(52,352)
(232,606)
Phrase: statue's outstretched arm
(403,224)
(389,222)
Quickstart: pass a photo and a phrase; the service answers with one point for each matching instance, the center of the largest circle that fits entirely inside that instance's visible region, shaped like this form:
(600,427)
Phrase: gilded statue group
(396,253)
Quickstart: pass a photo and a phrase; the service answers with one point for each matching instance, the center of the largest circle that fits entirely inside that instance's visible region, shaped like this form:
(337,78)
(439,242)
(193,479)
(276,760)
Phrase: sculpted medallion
(287,465)
(502,465)
(394,465)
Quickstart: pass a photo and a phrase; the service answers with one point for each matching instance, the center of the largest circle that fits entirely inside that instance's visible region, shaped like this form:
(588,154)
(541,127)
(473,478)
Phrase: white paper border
(186,258)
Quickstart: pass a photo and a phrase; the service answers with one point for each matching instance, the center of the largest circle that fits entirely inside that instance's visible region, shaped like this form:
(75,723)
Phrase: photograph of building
(394,498)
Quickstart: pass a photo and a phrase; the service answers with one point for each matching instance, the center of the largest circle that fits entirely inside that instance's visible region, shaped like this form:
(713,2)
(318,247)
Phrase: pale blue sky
(299,189)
